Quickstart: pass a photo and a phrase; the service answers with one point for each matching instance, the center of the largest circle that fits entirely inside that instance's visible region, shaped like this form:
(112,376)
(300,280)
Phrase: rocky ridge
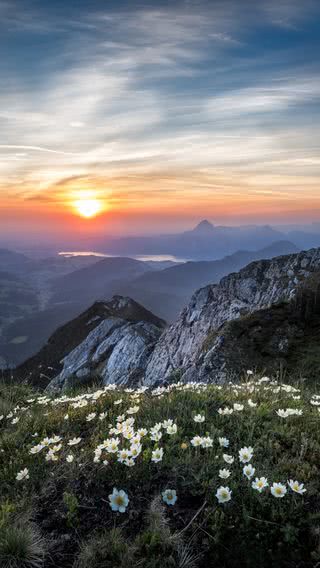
(259,285)
(110,342)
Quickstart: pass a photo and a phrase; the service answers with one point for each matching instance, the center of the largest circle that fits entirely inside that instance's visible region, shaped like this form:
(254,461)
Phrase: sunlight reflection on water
(143,257)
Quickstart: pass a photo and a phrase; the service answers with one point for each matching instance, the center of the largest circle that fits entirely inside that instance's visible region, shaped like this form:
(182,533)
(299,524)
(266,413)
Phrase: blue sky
(166,110)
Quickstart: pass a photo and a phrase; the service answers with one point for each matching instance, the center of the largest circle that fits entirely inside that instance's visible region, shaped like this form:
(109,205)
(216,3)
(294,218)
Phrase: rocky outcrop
(283,337)
(258,286)
(116,351)
(111,341)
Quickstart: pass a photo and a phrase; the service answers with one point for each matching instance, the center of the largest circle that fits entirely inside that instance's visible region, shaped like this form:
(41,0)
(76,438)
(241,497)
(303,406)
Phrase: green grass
(69,502)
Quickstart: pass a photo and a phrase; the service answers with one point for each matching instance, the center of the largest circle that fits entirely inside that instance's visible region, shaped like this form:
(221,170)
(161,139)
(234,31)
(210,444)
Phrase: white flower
(238,407)
(248,471)
(116,402)
(55,439)
(15,420)
(128,433)
(142,432)
(260,483)
(224,442)
(228,459)
(169,496)
(23,474)
(282,413)
(135,450)
(69,458)
(133,410)
(223,494)
(102,415)
(80,404)
(155,435)
(264,380)
(251,403)
(66,417)
(111,445)
(297,487)
(157,455)
(207,442)
(36,449)
(225,411)
(278,490)
(51,456)
(245,454)
(224,473)
(288,412)
(91,416)
(249,372)
(199,418)
(196,441)
(172,429)
(123,455)
(118,500)
(74,441)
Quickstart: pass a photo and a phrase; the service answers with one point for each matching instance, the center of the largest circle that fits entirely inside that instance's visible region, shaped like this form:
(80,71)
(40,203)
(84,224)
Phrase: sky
(162,112)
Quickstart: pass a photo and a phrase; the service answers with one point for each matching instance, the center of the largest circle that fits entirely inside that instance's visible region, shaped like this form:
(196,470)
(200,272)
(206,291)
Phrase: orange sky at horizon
(158,203)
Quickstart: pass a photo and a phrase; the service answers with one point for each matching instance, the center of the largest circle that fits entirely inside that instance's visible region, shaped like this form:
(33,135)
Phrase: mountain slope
(259,285)
(12,261)
(166,292)
(282,337)
(94,282)
(186,278)
(109,340)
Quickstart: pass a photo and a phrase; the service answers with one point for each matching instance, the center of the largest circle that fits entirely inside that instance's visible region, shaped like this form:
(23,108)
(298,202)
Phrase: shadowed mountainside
(118,313)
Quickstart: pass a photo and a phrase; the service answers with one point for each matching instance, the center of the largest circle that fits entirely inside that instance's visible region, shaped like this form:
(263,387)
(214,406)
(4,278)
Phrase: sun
(88,207)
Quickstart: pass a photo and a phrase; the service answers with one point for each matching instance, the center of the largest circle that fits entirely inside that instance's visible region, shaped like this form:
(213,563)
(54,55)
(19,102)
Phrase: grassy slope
(69,501)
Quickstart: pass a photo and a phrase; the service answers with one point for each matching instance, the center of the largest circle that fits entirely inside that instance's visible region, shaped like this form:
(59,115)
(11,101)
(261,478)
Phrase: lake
(142,257)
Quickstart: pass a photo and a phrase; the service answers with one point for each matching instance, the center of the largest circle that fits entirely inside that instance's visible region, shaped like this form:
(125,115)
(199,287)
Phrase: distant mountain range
(205,242)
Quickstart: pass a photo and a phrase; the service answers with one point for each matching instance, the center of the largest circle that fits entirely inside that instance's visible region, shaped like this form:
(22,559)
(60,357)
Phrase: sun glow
(88,206)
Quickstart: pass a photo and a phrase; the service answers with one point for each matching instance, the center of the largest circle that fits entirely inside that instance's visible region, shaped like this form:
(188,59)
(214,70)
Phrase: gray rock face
(258,285)
(116,350)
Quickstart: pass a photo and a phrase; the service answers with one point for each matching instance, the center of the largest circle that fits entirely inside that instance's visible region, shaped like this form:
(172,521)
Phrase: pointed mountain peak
(204,227)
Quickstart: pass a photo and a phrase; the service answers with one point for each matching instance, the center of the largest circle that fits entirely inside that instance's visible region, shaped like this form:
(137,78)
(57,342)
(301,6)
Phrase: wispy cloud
(158,92)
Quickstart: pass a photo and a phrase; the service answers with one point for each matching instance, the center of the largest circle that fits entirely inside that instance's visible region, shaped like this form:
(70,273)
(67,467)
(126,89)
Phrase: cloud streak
(156,92)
